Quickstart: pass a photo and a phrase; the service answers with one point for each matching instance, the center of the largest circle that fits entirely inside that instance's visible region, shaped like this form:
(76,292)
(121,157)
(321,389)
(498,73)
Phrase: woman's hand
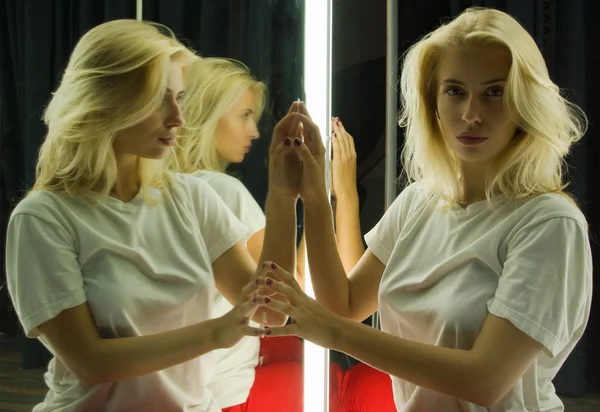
(312,152)
(343,163)
(310,320)
(234,325)
(285,165)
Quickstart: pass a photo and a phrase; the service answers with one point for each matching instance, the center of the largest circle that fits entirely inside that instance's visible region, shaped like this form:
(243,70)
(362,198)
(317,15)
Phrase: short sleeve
(545,285)
(382,239)
(240,202)
(43,272)
(218,225)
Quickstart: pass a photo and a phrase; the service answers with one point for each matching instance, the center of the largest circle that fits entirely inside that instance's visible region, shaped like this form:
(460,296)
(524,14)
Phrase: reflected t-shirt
(234,367)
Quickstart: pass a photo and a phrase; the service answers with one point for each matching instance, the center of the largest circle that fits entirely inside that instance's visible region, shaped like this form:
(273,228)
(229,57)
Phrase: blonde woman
(112,261)
(481,269)
(222,107)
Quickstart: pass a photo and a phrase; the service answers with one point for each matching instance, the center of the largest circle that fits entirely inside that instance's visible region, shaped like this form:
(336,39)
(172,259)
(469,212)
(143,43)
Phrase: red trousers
(278,384)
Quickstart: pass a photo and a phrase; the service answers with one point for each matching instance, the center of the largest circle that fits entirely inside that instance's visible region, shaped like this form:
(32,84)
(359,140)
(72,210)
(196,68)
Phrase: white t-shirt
(446,270)
(234,367)
(142,269)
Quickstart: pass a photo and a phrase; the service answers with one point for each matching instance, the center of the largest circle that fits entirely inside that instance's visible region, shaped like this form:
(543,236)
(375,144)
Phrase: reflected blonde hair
(116,77)
(533,163)
(214,86)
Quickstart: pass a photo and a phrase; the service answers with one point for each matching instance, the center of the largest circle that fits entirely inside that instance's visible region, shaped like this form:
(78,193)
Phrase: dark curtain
(38,37)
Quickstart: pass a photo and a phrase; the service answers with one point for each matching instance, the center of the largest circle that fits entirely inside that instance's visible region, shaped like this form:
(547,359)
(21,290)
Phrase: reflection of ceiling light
(317,89)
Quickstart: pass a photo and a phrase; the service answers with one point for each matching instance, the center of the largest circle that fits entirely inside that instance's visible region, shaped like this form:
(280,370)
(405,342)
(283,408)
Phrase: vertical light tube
(317,88)
(139,4)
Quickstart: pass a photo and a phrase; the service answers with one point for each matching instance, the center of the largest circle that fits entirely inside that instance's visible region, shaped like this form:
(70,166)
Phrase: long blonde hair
(533,163)
(116,77)
(213,87)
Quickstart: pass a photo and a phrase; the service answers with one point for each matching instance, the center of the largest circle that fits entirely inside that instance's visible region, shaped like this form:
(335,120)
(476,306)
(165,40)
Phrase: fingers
(346,139)
(286,127)
(288,330)
(271,267)
(249,307)
(336,146)
(284,147)
(257,332)
(274,286)
(277,305)
(293,107)
(308,158)
(250,289)
(302,109)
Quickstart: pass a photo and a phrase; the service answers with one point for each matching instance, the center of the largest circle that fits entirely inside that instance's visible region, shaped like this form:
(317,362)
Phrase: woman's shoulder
(552,205)
(43,204)
(225,185)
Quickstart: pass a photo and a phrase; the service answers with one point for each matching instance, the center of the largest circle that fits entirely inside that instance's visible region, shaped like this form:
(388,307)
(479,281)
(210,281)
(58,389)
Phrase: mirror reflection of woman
(481,269)
(222,107)
(112,261)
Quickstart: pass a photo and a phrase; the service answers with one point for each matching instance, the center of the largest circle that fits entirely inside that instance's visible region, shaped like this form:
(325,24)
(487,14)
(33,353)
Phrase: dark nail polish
(267,331)
(273,266)
(297,142)
(269,282)
(286,142)
(267,300)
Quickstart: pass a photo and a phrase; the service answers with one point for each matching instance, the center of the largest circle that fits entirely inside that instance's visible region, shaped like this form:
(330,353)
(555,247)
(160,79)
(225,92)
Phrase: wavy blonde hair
(116,77)
(534,161)
(214,85)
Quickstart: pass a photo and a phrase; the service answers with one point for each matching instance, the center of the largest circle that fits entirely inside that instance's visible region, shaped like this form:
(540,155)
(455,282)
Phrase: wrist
(218,329)
(281,199)
(315,195)
(339,333)
(316,204)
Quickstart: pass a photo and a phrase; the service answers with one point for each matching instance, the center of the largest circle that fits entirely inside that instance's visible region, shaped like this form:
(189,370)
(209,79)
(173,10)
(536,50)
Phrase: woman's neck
(128,183)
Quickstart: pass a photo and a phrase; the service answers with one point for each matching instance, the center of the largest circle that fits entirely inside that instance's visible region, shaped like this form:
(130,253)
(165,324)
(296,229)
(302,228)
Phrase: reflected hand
(284,164)
(312,152)
(310,319)
(343,163)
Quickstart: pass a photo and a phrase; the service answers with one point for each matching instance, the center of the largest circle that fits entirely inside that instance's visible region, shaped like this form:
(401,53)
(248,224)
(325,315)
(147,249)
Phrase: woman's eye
(495,92)
(453,91)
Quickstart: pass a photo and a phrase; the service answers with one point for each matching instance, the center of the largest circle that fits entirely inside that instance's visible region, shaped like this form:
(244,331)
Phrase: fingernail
(267,331)
(254,300)
(264,265)
(334,135)
(269,282)
(273,265)
(297,142)
(267,300)
(257,281)
(286,142)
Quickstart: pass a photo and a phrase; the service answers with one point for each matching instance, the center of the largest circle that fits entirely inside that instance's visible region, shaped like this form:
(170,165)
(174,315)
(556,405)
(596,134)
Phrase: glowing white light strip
(138,10)
(317,87)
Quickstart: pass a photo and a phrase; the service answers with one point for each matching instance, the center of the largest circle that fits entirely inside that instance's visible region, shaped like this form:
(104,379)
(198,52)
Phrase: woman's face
(237,129)
(470,102)
(151,138)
